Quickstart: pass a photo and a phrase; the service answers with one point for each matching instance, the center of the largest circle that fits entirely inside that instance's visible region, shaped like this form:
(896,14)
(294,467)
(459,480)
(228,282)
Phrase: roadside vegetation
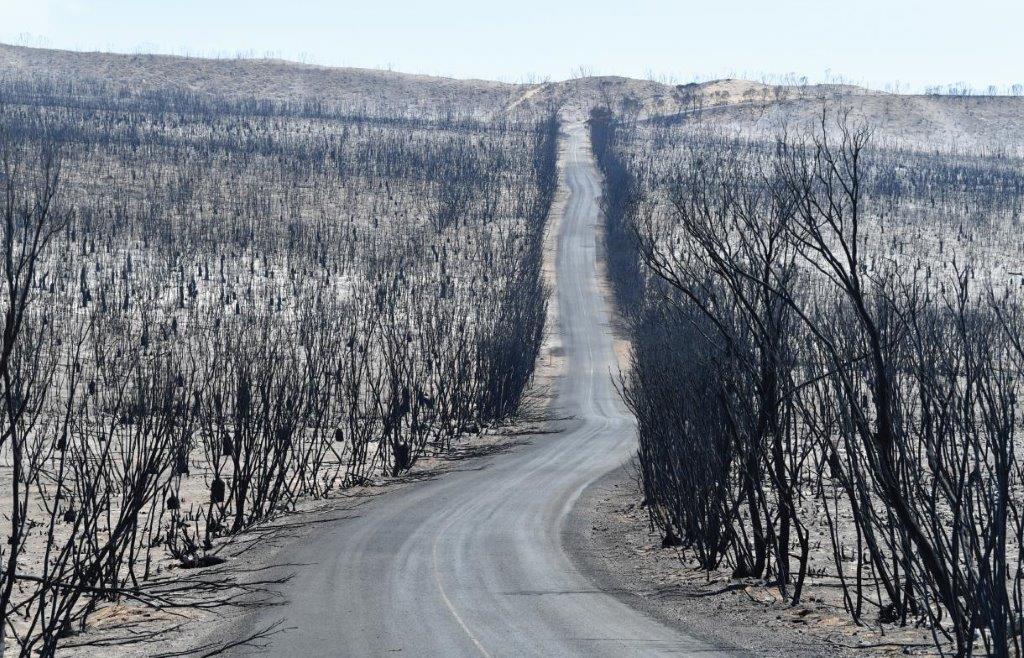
(215,307)
(827,363)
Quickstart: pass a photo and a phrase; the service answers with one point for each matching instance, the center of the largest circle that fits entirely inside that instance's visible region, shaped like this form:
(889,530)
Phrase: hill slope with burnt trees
(214,307)
(827,365)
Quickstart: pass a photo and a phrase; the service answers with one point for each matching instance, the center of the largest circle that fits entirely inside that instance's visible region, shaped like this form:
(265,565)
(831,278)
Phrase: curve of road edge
(473,563)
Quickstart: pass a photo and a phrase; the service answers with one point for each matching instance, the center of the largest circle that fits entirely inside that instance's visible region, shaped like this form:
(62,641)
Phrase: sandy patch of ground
(551,361)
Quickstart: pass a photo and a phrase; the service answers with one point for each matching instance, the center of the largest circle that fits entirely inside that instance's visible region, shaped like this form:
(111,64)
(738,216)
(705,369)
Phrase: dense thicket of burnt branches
(827,364)
(212,308)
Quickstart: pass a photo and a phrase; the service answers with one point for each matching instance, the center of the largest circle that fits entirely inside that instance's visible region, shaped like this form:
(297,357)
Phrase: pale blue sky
(913,42)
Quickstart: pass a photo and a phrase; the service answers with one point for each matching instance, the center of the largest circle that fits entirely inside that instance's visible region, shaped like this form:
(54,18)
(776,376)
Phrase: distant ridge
(988,122)
(276,79)
(269,79)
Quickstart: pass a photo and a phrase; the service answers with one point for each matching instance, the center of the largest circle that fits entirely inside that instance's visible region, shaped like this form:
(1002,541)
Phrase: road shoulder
(609,538)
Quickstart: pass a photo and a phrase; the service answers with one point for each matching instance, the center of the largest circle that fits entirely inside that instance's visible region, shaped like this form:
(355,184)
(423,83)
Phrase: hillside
(279,80)
(268,79)
(946,122)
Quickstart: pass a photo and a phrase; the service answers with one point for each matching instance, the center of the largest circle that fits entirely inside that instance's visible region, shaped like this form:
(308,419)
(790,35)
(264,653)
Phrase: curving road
(472,563)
